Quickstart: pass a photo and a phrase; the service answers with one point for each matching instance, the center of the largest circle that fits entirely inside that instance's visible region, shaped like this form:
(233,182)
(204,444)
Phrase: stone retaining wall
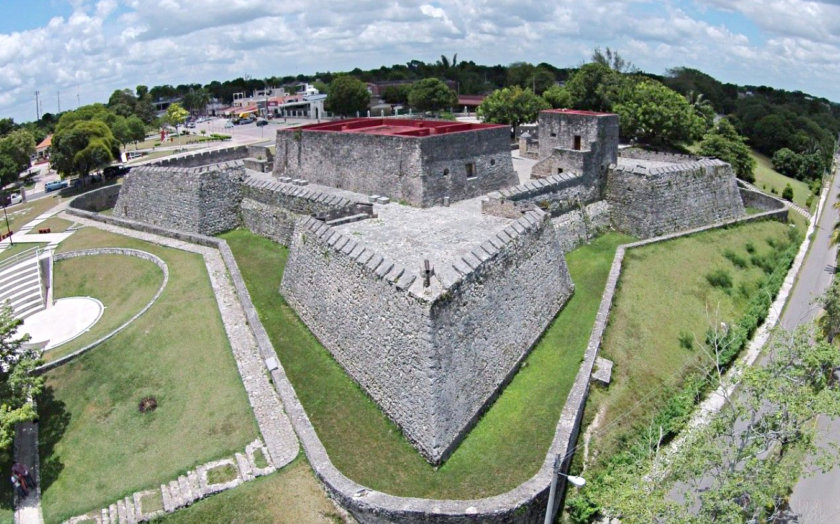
(758,200)
(204,158)
(98,199)
(578,227)
(556,194)
(652,202)
(658,156)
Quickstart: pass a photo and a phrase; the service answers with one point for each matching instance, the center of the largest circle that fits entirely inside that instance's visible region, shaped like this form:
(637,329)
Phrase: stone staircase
(21,285)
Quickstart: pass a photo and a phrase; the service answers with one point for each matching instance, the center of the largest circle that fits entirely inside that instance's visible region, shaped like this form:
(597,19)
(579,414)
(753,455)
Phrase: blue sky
(90,48)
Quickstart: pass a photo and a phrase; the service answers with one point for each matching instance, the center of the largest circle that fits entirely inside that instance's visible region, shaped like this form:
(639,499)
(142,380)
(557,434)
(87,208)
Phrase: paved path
(28,510)
(816,498)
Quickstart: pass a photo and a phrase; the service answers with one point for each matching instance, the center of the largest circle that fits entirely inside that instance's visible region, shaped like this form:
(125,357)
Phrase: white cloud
(112,44)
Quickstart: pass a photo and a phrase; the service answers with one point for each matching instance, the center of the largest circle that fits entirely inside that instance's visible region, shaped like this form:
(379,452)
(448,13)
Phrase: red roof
(394,127)
(577,112)
(45,143)
(470,100)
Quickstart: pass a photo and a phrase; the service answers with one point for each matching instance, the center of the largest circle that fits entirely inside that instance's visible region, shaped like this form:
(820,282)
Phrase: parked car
(115,171)
(228,124)
(262,122)
(55,186)
(15,198)
(247,120)
(10,199)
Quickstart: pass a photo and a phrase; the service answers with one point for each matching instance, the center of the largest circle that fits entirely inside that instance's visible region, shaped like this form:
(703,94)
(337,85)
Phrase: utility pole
(37,106)
(58,97)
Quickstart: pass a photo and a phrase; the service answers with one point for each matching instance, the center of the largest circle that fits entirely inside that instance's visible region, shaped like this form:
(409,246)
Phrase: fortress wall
(578,227)
(658,156)
(488,150)
(369,164)
(485,324)
(270,209)
(357,304)
(195,200)
(205,157)
(556,194)
(648,203)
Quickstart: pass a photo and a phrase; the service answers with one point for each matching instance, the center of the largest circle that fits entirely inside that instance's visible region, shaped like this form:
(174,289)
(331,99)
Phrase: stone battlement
(204,158)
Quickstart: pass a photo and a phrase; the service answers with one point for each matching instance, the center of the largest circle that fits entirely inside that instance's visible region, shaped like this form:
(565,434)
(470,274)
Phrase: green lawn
(505,448)
(95,445)
(11,251)
(54,224)
(664,296)
(123,284)
(291,496)
(21,214)
(767,178)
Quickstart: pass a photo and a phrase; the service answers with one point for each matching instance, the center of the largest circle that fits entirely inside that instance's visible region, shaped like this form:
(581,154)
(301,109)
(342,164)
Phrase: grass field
(505,448)
(123,284)
(767,178)
(22,214)
(662,310)
(11,251)
(55,225)
(291,496)
(95,444)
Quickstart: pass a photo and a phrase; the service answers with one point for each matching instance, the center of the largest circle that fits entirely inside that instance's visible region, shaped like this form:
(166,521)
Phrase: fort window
(577,143)
(492,161)
(470,170)
(559,170)
(446,171)
(553,134)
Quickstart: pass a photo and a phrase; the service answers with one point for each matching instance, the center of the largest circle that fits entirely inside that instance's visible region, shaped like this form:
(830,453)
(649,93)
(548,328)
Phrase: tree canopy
(15,150)
(431,94)
(724,142)
(83,146)
(176,115)
(348,96)
(512,106)
(654,114)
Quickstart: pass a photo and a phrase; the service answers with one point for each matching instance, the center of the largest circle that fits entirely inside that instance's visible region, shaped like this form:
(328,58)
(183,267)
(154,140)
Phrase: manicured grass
(21,214)
(95,445)
(291,496)
(123,284)
(54,224)
(767,178)
(505,448)
(664,303)
(11,251)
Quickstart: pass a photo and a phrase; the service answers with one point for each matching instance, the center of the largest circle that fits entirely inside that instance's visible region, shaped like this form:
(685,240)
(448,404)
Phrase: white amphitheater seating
(20,283)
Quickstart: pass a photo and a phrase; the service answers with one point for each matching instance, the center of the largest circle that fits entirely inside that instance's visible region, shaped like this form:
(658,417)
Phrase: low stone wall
(578,227)
(108,251)
(658,156)
(204,158)
(200,200)
(758,200)
(98,199)
(652,202)
(556,194)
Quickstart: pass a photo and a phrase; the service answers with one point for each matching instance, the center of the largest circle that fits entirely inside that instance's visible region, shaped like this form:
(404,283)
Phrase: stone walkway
(281,445)
(28,510)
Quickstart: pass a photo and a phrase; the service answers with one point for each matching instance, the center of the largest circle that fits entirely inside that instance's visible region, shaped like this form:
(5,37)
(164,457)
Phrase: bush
(737,260)
(720,278)
(686,340)
(750,247)
(809,201)
(787,193)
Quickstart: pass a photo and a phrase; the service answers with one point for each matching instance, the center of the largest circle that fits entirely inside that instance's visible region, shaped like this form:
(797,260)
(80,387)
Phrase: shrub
(737,260)
(720,278)
(773,191)
(787,193)
(750,247)
(809,200)
(686,340)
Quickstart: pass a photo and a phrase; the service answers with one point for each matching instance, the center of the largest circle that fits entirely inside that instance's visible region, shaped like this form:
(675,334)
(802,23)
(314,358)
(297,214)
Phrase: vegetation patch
(508,444)
(664,300)
(770,180)
(95,444)
(221,474)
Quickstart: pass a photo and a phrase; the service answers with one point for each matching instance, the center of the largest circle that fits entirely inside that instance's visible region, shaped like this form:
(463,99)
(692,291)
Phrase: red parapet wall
(394,127)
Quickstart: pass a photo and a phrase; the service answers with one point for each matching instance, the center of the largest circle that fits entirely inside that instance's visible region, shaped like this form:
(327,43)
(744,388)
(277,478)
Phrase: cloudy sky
(81,50)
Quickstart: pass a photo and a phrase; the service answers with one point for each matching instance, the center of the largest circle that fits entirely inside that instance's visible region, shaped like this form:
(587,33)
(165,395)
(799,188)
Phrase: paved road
(817,498)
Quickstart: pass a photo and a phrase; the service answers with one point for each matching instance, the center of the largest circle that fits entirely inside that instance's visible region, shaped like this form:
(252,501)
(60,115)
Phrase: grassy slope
(291,496)
(664,293)
(95,445)
(766,178)
(123,284)
(505,448)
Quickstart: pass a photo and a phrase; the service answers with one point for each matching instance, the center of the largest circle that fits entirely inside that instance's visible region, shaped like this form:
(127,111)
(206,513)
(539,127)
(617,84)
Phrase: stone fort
(431,303)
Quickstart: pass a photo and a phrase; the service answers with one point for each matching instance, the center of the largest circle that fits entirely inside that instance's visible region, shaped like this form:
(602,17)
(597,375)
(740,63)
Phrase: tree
(175,115)
(613,60)
(512,106)
(558,97)
(724,142)
(15,149)
(595,87)
(347,96)
(397,94)
(196,101)
(787,192)
(136,128)
(829,322)
(741,465)
(431,94)
(17,382)
(657,115)
(83,146)
(527,76)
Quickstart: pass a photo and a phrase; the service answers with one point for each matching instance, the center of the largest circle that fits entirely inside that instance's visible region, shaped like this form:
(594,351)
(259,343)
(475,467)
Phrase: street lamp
(574,480)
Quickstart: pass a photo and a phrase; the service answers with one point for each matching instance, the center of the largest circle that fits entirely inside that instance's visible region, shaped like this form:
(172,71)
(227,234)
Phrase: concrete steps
(21,287)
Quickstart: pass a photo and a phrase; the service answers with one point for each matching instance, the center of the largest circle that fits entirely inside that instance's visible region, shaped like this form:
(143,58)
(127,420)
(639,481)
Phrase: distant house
(42,150)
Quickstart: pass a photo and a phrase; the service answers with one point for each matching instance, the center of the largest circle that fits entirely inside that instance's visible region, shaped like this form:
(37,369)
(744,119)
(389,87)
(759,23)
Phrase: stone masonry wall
(379,333)
(647,203)
(578,227)
(659,156)
(197,200)
(488,322)
(204,158)
(419,170)
(556,194)
(98,199)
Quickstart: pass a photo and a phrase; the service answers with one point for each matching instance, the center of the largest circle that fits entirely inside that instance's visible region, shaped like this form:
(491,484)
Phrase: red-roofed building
(42,150)
(422,162)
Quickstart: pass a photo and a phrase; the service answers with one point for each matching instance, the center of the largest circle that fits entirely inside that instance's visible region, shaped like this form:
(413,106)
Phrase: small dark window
(559,170)
(446,171)
(470,170)
(553,134)
(492,161)
(577,143)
